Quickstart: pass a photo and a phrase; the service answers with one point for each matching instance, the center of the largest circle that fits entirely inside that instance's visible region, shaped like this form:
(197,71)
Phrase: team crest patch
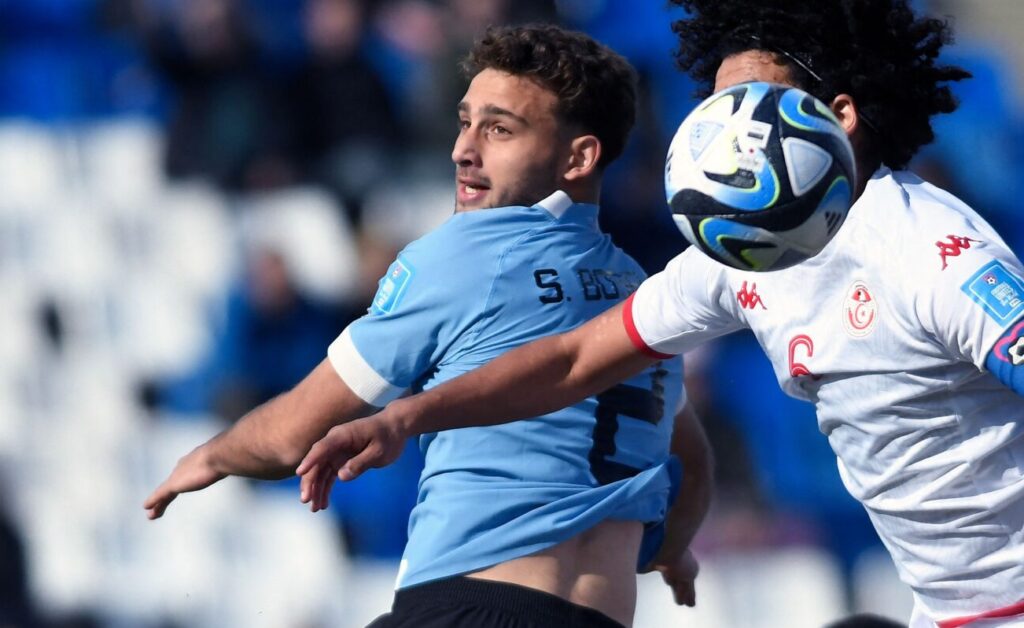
(997,290)
(392,287)
(860,310)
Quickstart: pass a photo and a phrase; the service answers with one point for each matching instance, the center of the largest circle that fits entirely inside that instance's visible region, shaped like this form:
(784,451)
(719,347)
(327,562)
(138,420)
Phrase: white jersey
(886,331)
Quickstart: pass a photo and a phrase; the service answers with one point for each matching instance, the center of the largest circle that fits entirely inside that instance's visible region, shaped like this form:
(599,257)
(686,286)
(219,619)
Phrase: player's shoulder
(467,241)
(919,225)
(937,253)
(440,268)
(470,248)
(693,262)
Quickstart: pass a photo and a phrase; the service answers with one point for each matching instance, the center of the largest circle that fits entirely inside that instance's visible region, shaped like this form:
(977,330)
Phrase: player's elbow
(599,354)
(570,366)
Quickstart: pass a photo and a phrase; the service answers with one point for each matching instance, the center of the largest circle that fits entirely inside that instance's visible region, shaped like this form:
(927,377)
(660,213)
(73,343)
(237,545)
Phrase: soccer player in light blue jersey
(536,523)
(906,332)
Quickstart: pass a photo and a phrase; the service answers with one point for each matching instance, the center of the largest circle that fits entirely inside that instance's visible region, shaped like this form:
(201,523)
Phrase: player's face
(509,143)
(751,65)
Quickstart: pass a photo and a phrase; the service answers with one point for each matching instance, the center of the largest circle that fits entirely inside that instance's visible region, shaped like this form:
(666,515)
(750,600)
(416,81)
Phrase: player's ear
(845,110)
(584,153)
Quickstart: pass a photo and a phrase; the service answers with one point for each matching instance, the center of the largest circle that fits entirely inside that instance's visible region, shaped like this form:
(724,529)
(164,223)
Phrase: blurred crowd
(343,112)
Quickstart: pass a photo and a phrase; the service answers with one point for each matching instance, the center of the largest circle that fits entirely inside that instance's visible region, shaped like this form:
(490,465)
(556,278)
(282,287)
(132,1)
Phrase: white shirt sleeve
(682,306)
(968,286)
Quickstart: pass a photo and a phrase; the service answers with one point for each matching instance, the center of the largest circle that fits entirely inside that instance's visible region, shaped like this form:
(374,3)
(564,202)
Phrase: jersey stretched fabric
(485,282)
(887,332)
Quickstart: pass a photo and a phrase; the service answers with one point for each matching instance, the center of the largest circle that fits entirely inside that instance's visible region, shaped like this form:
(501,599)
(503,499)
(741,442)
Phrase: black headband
(805,65)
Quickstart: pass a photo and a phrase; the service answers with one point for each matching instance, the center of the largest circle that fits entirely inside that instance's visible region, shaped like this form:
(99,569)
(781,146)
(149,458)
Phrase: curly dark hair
(595,86)
(877,51)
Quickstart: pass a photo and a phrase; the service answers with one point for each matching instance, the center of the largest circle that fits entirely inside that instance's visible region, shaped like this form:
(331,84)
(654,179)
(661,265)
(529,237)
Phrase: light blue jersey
(485,282)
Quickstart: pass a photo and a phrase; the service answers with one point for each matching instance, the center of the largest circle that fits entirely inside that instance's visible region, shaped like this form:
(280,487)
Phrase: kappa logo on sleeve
(952,247)
(392,287)
(997,290)
(749,299)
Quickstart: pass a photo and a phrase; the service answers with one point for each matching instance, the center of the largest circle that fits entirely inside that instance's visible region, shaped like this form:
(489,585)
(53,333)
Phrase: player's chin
(478,198)
(472,205)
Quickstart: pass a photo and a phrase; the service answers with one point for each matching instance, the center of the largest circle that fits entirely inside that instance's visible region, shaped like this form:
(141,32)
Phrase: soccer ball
(760,176)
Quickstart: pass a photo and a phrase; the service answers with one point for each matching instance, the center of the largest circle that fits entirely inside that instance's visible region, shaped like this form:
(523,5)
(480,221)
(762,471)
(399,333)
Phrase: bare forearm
(267,443)
(254,446)
(525,382)
(531,380)
(270,441)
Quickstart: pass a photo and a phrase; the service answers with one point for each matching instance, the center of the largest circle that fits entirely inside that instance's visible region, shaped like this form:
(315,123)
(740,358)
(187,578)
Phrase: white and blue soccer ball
(760,176)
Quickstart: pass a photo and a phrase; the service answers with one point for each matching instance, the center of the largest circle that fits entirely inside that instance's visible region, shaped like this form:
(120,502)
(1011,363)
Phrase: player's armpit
(1006,359)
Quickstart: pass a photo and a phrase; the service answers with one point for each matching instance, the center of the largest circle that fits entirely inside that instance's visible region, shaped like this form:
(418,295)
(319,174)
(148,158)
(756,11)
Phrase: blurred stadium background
(197,195)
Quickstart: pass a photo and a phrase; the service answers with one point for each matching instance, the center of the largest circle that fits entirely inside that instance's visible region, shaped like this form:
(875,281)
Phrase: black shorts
(461,602)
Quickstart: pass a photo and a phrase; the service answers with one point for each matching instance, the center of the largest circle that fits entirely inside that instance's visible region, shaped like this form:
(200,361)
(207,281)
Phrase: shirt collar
(559,203)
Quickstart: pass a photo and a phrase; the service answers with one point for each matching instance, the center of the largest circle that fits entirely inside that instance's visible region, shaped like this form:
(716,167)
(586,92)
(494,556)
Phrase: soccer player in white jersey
(906,332)
(540,523)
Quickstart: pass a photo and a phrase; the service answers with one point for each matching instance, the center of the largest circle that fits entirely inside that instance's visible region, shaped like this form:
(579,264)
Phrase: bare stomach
(596,568)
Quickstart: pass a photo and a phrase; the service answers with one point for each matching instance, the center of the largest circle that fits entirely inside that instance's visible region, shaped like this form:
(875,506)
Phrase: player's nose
(466,152)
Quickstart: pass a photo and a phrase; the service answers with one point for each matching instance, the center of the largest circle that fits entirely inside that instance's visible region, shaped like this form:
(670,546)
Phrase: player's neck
(867,163)
(584,192)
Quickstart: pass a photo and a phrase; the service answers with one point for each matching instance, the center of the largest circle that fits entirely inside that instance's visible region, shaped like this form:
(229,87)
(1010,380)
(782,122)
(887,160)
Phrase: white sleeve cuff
(356,372)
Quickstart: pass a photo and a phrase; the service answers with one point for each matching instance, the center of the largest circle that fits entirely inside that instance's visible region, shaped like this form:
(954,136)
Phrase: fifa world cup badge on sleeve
(392,287)
(998,291)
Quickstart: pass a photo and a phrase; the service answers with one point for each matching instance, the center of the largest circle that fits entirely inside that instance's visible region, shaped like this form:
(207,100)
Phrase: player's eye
(463,123)
(500,130)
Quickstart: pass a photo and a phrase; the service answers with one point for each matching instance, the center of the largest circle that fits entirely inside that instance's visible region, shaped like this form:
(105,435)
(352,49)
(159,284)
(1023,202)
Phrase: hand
(678,569)
(192,473)
(345,452)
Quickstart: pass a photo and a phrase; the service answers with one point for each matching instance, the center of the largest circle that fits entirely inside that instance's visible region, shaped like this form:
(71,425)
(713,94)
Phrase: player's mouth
(468,191)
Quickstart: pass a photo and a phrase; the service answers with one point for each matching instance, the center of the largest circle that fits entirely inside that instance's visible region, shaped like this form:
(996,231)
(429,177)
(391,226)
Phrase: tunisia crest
(860,310)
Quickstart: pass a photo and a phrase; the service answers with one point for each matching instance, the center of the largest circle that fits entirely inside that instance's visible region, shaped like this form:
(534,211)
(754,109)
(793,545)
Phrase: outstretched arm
(269,441)
(537,378)
(532,380)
